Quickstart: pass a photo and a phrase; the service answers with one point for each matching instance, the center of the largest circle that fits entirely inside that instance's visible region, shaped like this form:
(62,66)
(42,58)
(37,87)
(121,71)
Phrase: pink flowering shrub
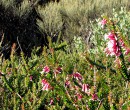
(64,79)
(116,46)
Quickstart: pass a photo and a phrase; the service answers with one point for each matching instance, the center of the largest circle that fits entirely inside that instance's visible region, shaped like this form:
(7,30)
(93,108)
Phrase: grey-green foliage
(81,12)
(7,3)
(52,21)
(72,16)
(18,10)
(24,9)
(123,18)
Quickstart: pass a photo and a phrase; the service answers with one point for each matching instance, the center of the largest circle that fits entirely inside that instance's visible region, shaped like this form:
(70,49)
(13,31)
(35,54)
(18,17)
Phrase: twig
(19,44)
(2,39)
(98,65)
(100,104)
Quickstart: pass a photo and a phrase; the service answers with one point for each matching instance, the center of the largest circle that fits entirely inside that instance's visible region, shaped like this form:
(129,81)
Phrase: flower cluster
(31,78)
(46,69)
(85,88)
(77,76)
(58,70)
(45,85)
(103,23)
(112,45)
(117,46)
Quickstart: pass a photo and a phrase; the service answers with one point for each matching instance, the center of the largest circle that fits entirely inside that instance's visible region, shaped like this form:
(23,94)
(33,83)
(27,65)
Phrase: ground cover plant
(62,77)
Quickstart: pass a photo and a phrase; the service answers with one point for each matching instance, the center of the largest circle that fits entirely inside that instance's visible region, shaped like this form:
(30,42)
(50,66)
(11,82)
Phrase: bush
(73,16)
(64,78)
(18,24)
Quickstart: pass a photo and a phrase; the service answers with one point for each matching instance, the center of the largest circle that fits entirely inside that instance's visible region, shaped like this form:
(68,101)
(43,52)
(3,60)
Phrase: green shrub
(67,78)
(71,78)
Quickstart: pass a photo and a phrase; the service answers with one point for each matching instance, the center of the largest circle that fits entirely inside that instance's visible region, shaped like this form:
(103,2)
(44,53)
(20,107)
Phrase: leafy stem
(123,65)
(9,87)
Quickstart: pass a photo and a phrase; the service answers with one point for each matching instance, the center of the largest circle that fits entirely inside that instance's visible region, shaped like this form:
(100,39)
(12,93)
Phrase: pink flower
(77,76)
(121,42)
(31,77)
(94,97)
(45,85)
(67,83)
(79,96)
(112,44)
(103,22)
(110,36)
(127,51)
(46,69)
(111,51)
(44,81)
(86,88)
(112,48)
(58,70)
(51,102)
(107,51)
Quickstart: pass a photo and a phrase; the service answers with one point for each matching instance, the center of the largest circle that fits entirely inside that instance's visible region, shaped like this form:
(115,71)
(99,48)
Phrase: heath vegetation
(65,55)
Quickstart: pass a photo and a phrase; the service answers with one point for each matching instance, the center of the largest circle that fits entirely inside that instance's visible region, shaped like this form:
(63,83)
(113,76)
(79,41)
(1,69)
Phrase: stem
(6,82)
(9,87)
(94,78)
(100,66)
(101,101)
(15,102)
(123,68)
(123,65)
